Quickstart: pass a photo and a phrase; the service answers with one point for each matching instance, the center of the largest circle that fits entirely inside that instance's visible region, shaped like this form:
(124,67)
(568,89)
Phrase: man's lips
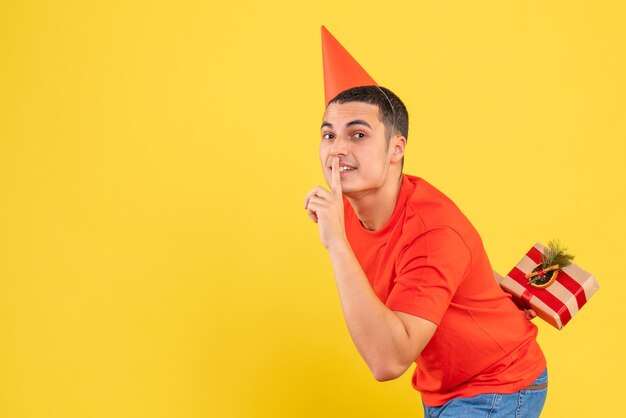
(344,168)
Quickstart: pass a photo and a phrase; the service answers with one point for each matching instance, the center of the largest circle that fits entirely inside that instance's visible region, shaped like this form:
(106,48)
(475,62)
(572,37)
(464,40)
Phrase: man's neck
(374,208)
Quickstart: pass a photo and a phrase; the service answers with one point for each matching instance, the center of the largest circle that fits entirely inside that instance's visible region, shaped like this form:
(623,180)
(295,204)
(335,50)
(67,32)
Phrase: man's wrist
(339,245)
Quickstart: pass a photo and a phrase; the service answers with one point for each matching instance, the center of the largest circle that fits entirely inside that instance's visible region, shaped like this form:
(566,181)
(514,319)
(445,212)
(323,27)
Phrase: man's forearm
(378,333)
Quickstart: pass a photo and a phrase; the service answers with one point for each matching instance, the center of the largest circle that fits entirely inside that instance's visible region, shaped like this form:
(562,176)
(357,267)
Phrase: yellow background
(155,259)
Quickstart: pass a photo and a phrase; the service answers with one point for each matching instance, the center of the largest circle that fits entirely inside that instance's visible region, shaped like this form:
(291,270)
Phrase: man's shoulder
(430,210)
(428,202)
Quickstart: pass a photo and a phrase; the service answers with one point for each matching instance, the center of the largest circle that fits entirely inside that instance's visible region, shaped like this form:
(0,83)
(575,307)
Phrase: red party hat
(341,71)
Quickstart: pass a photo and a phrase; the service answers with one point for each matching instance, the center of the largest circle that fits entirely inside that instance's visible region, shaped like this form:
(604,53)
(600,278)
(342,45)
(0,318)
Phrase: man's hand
(530,314)
(326,208)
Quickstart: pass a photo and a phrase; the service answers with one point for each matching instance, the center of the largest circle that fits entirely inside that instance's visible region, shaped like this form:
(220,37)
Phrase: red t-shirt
(429,261)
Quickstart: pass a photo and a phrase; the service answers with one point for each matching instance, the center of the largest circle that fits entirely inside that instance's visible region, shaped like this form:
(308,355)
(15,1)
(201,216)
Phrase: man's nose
(339,147)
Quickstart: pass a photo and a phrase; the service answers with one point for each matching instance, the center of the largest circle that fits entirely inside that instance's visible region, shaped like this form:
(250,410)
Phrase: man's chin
(350,191)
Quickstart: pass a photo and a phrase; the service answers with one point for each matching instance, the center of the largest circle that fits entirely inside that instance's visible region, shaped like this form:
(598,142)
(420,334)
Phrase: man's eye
(359,135)
(328,136)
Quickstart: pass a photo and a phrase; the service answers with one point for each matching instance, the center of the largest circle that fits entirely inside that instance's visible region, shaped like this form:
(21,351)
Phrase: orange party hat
(341,71)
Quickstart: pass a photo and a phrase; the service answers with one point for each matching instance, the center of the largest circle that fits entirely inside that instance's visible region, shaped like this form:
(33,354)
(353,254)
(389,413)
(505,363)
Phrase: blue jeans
(527,403)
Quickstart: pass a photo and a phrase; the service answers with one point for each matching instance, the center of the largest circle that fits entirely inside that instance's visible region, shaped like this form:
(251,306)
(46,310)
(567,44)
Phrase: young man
(414,280)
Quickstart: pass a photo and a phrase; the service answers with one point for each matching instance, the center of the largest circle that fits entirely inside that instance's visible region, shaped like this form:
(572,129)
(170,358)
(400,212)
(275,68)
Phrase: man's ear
(398,143)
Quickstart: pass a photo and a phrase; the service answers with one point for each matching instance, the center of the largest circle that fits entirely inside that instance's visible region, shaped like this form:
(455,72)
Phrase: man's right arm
(388,341)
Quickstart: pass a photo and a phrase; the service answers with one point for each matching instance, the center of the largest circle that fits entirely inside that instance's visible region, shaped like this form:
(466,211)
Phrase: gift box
(558,301)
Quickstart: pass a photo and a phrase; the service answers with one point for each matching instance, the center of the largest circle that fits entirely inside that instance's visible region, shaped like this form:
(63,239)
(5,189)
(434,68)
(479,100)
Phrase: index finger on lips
(335,178)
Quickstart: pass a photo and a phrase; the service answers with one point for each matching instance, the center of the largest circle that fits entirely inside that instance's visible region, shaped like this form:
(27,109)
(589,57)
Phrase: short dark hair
(393,113)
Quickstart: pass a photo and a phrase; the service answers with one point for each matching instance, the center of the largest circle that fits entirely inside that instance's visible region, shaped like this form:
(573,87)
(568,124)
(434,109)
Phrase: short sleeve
(429,271)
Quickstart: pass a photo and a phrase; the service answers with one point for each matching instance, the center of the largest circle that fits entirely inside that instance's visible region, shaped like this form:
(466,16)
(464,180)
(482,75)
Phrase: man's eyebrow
(358,122)
(349,124)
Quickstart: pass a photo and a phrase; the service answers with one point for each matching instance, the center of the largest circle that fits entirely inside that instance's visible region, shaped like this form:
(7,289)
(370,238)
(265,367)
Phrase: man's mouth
(344,169)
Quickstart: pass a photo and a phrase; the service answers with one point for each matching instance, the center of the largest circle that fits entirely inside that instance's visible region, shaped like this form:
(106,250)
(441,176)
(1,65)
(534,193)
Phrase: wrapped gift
(556,293)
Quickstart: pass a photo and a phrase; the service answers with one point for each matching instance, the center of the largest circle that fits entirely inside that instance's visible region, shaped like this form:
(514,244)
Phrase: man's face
(353,132)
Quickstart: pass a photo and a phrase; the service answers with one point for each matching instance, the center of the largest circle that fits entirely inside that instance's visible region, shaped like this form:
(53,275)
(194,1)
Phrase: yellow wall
(155,259)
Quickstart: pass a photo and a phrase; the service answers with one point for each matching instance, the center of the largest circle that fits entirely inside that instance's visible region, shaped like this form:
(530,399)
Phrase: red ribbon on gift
(544,295)
(525,297)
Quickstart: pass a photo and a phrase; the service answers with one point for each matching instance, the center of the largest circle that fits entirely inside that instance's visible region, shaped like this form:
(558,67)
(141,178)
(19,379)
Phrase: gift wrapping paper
(557,303)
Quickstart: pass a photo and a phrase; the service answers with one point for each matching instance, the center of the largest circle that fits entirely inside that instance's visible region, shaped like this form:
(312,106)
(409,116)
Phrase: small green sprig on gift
(554,258)
(556,254)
